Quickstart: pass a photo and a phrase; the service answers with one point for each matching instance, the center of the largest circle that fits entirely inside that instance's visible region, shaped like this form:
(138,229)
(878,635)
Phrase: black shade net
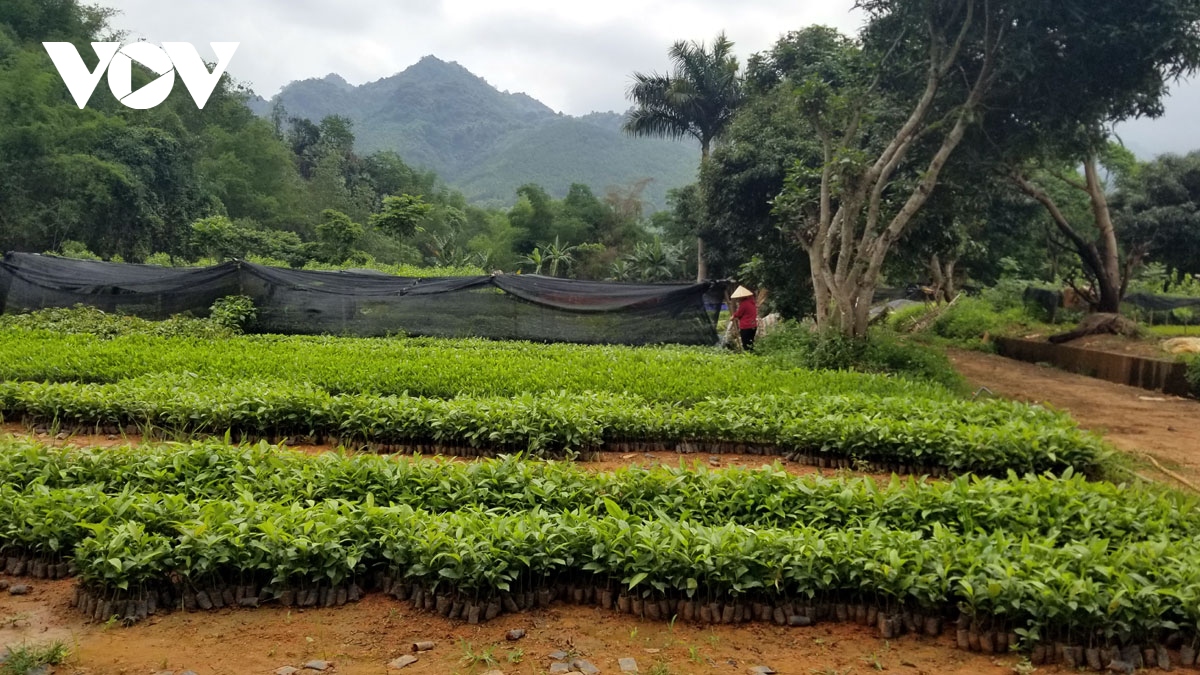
(364,303)
(1159,308)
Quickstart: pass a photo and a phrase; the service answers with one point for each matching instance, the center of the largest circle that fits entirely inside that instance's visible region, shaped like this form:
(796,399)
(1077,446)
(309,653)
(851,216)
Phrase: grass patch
(25,659)
(1173,331)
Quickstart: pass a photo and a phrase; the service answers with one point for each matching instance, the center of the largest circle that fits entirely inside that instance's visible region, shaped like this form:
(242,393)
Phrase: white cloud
(572,56)
(575,57)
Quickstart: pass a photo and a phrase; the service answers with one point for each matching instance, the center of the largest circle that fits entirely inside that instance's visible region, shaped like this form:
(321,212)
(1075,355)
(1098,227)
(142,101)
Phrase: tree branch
(1086,250)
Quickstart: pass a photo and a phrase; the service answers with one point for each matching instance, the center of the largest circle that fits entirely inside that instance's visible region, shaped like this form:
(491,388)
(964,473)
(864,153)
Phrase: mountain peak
(431,63)
(334,78)
(439,115)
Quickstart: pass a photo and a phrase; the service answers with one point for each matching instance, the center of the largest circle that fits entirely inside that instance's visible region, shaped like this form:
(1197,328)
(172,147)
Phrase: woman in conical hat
(746,315)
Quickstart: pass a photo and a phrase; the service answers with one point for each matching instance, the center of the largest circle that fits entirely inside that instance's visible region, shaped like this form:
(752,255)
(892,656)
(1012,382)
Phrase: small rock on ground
(514,634)
(762,670)
(558,655)
(627,665)
(19,589)
(188,672)
(3,584)
(585,667)
(494,672)
(286,670)
(559,668)
(317,665)
(406,660)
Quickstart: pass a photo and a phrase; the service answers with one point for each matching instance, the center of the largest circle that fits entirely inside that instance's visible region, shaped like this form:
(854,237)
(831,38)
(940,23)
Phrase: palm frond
(697,99)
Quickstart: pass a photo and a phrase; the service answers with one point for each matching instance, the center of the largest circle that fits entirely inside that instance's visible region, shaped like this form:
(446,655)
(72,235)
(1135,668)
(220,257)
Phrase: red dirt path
(1134,420)
(360,639)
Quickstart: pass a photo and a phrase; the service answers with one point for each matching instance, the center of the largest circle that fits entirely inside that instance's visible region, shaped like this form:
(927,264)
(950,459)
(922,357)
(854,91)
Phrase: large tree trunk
(1110,263)
(942,275)
(848,241)
(1100,258)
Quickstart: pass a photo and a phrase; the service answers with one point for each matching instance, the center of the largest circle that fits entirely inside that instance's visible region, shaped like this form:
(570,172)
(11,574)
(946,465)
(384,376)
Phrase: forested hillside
(297,186)
(487,143)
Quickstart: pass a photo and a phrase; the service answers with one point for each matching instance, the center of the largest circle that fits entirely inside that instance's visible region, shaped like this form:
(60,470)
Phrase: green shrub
(888,354)
(904,319)
(796,345)
(968,319)
(160,259)
(233,312)
(74,249)
(83,320)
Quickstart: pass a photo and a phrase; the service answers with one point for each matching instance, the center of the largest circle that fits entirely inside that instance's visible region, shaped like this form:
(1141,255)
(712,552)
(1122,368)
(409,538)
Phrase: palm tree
(621,271)
(697,99)
(557,253)
(534,260)
(655,261)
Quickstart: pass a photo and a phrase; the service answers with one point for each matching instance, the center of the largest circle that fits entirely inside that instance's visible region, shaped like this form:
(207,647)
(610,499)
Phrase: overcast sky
(573,56)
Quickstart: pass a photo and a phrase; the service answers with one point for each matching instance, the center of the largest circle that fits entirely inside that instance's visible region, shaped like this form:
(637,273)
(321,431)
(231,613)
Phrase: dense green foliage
(428,367)
(174,182)
(797,345)
(1158,212)
(1018,556)
(520,397)
(915,435)
(91,321)
(1066,505)
(1193,375)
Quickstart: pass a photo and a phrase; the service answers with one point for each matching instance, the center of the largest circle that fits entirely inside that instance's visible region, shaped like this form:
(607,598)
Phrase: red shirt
(747,314)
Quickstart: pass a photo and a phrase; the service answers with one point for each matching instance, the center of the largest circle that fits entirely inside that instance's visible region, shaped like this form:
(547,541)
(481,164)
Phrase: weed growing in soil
(25,658)
(1024,667)
(484,656)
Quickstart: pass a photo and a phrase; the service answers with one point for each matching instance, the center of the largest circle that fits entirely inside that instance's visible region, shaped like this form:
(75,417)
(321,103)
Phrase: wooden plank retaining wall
(1135,371)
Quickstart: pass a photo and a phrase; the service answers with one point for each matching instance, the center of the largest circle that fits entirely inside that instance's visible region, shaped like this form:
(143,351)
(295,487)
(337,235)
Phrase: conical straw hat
(741,292)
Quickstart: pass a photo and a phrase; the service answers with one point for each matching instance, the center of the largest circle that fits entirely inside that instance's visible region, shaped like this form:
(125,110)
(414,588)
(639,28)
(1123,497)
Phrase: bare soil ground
(1137,421)
(361,639)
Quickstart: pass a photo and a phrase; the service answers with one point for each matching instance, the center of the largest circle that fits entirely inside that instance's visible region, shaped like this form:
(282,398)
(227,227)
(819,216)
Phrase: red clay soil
(361,639)
(1134,420)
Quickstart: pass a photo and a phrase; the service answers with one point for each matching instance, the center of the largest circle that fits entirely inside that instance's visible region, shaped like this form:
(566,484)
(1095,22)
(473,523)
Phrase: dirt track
(361,638)
(1134,420)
